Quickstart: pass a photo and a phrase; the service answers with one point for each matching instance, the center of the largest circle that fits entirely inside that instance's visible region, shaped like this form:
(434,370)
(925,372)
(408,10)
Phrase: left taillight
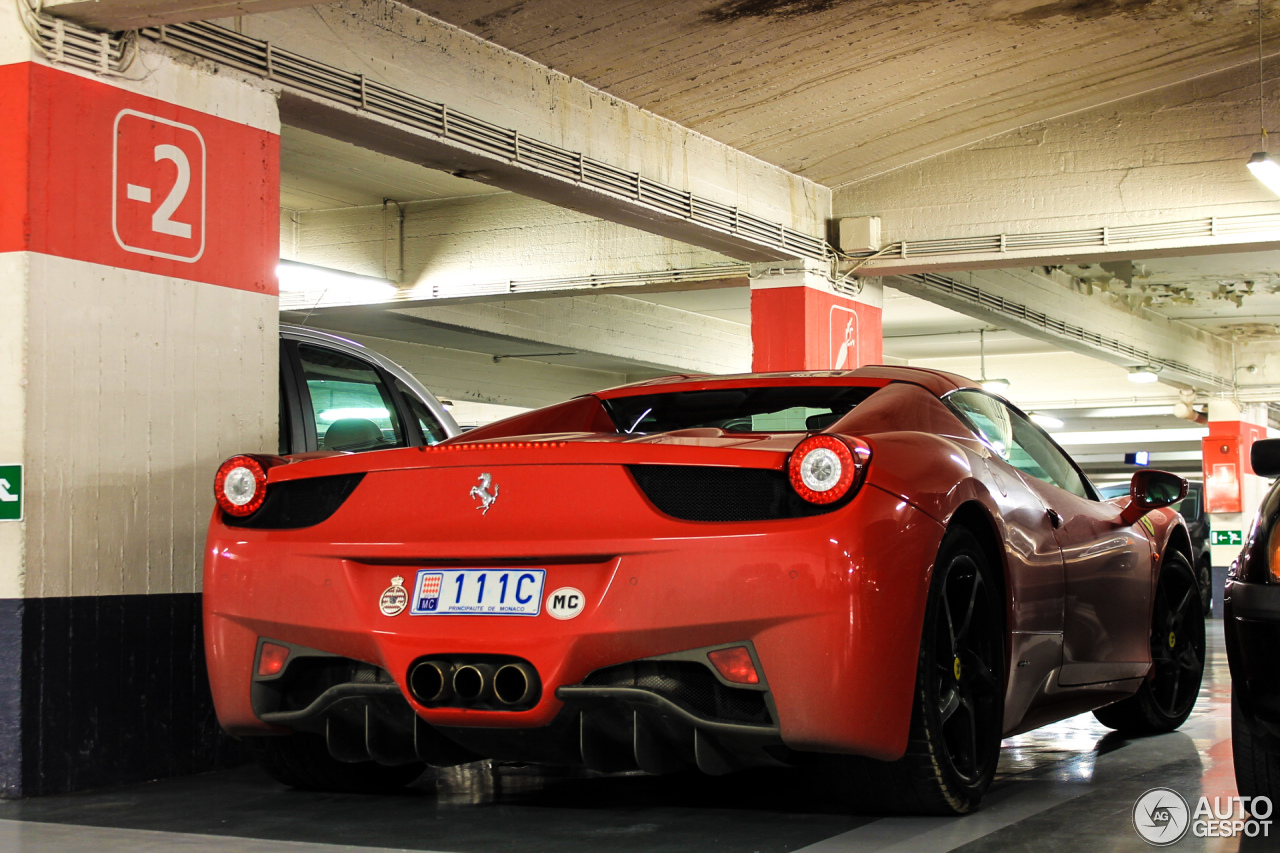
(825,468)
(240,486)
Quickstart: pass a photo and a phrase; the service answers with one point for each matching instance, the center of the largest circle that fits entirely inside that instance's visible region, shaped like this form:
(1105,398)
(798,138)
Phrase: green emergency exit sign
(10,492)
(1228,537)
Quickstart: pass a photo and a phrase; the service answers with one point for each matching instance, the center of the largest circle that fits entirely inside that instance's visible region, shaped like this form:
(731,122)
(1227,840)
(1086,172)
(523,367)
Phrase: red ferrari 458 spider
(879,572)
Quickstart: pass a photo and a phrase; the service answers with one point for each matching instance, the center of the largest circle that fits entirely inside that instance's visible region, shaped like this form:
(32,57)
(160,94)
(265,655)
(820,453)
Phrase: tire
(1257,768)
(1204,576)
(958,714)
(1166,697)
(302,760)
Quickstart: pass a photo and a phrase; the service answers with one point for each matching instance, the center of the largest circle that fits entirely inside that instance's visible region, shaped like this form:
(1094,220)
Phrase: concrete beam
(1052,306)
(1173,158)
(486,245)
(384,43)
(646,333)
(619,334)
(116,15)
(459,375)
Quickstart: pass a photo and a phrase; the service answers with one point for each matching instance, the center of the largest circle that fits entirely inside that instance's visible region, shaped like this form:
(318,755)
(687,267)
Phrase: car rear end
(621,602)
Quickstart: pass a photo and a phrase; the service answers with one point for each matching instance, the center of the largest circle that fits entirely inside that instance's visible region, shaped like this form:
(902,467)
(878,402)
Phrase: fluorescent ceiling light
(1130,436)
(1159,458)
(1046,421)
(1129,411)
(305,278)
(1266,170)
(995,386)
(1144,375)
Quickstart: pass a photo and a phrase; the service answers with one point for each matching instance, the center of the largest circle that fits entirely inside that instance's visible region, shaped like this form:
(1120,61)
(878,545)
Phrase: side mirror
(1150,489)
(1265,457)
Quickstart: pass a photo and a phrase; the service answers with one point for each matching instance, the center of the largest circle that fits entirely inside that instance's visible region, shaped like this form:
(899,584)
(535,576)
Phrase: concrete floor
(1068,787)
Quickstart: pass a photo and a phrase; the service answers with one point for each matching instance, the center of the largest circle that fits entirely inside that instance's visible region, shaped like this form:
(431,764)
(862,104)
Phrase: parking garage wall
(137,349)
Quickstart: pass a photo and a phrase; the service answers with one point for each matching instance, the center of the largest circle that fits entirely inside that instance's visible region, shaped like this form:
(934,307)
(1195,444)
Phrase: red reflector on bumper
(735,665)
(272,659)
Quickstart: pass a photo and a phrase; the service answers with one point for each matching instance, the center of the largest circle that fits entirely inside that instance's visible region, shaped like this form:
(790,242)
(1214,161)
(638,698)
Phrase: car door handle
(1054,518)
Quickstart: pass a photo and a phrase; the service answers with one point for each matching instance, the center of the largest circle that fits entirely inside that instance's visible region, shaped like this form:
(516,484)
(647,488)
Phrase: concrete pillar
(138,235)
(799,321)
(1232,491)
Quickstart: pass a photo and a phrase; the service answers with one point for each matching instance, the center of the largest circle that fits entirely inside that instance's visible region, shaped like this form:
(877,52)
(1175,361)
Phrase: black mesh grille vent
(299,503)
(688,684)
(706,493)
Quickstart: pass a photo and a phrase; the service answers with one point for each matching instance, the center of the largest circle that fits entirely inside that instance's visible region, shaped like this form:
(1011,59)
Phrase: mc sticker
(566,602)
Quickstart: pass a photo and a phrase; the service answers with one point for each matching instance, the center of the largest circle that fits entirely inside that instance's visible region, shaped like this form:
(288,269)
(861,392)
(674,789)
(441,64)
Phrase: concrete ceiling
(1236,296)
(840,90)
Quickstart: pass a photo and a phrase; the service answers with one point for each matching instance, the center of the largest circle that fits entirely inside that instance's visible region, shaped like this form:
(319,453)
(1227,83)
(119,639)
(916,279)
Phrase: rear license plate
(478,592)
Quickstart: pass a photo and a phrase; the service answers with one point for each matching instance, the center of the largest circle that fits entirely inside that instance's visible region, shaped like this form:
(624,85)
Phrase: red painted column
(139,234)
(799,322)
(1225,459)
(1233,491)
(94,172)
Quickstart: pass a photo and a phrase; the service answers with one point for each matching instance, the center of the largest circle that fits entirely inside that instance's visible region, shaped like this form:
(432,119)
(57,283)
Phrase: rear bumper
(1252,624)
(1258,602)
(832,604)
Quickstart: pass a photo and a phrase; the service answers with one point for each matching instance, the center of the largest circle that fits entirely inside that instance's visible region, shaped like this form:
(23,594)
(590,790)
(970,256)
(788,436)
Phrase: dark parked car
(1252,620)
(1191,508)
(336,394)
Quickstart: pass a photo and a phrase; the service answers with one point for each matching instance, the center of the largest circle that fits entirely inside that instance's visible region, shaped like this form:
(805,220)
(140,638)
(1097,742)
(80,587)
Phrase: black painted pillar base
(11,697)
(104,690)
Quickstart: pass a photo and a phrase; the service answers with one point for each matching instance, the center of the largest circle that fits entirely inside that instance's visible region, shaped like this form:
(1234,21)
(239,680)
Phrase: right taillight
(240,486)
(825,468)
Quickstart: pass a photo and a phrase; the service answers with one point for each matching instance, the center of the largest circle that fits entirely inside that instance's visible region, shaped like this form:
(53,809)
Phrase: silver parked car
(336,394)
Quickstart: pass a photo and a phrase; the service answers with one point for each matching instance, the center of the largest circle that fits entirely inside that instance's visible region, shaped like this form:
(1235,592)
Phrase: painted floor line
(1013,802)
(29,837)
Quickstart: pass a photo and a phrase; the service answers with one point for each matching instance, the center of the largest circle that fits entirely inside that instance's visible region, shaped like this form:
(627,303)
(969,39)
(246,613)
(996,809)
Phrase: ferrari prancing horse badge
(395,598)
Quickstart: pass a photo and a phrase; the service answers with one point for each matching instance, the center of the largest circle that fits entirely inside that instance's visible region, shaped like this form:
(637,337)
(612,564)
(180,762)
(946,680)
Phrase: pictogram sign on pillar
(11,488)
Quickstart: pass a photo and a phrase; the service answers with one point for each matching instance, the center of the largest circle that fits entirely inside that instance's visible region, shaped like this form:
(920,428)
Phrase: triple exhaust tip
(441,683)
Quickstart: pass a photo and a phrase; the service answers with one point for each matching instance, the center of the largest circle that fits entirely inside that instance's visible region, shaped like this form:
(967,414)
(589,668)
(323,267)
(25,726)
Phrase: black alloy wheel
(1204,576)
(966,689)
(958,715)
(1166,697)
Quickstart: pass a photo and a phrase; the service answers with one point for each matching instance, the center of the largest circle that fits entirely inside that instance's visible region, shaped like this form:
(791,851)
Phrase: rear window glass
(765,409)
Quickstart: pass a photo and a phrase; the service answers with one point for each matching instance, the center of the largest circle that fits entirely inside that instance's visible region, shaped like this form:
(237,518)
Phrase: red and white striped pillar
(799,321)
(139,230)
(1232,491)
